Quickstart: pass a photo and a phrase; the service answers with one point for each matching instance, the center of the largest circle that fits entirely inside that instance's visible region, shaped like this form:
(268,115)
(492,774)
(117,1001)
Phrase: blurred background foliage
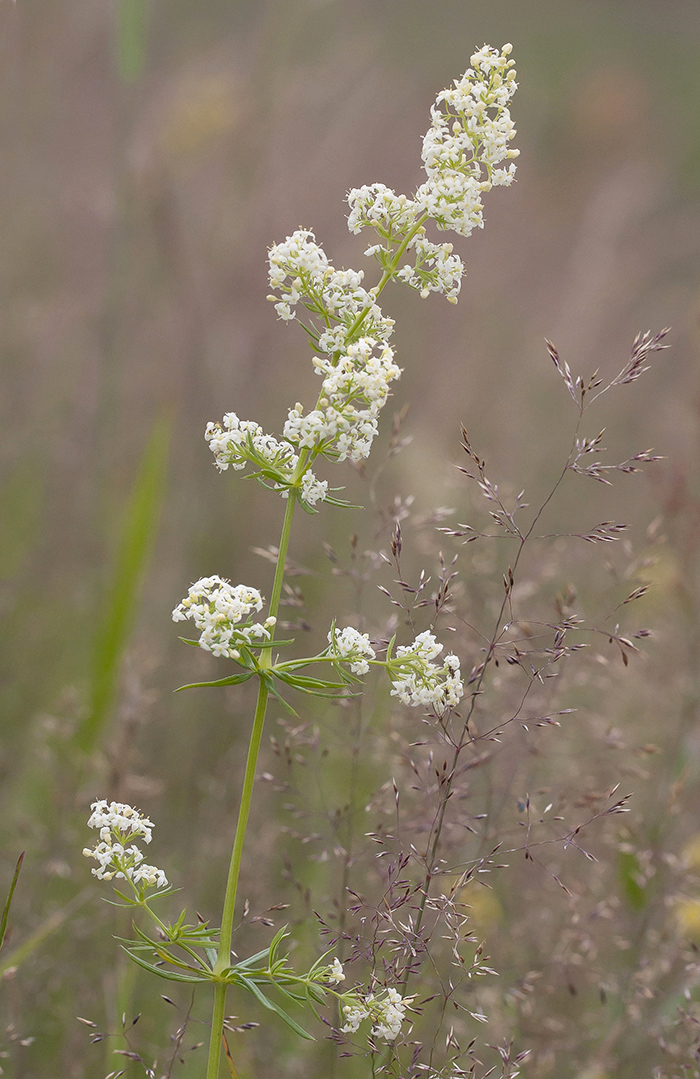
(152,152)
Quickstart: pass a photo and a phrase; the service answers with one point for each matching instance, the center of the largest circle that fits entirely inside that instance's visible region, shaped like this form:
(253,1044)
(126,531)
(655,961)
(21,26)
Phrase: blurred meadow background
(151,153)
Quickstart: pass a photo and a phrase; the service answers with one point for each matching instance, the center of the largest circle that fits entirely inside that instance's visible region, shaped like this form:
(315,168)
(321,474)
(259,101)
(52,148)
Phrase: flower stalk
(469,136)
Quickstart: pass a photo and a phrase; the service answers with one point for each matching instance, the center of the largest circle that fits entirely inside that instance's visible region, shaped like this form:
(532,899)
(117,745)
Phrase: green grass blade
(138,531)
(21,502)
(47,928)
(6,912)
(132,37)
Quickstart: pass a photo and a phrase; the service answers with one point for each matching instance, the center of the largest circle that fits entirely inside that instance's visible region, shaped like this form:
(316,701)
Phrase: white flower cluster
(111,817)
(378,207)
(354,647)
(217,608)
(417,681)
(436,269)
(337,427)
(118,824)
(355,361)
(236,443)
(470,133)
(386,1012)
(301,273)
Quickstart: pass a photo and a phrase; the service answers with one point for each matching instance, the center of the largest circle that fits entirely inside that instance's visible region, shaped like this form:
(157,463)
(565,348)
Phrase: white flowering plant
(464,152)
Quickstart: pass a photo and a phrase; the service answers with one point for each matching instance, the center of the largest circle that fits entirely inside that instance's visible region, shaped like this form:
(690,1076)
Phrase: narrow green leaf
(232,680)
(246,964)
(285,704)
(279,936)
(341,503)
(629,871)
(144,937)
(310,685)
(138,531)
(298,998)
(168,975)
(132,36)
(47,928)
(270,1004)
(6,912)
(21,503)
(272,644)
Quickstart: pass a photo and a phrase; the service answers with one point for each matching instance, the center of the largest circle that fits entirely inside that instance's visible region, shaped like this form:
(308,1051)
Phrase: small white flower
(236,443)
(418,682)
(436,269)
(356,372)
(355,388)
(312,489)
(336,974)
(217,608)
(110,817)
(389,1014)
(117,823)
(386,1011)
(470,133)
(379,207)
(354,1015)
(150,875)
(354,647)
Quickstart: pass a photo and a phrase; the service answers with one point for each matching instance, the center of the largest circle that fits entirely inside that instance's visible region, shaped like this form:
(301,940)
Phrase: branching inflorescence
(465,152)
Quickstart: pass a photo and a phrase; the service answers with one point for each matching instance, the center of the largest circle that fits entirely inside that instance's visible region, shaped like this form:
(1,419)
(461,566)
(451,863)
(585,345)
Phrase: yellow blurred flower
(661,574)
(483,908)
(687,916)
(691,852)
(199,112)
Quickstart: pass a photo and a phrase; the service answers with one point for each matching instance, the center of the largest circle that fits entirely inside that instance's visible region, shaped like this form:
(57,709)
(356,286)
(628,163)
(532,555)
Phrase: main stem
(223,960)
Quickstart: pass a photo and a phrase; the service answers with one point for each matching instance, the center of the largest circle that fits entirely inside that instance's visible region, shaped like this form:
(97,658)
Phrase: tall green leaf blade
(132,37)
(138,531)
(21,503)
(8,904)
(48,927)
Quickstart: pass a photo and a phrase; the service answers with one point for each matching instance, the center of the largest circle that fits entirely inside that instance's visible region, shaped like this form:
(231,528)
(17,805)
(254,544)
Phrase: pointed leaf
(232,680)
(271,1006)
(118,608)
(6,912)
(168,975)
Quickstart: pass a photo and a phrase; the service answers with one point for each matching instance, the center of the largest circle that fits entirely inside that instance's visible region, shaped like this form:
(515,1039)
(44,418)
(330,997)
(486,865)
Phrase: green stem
(282,555)
(388,273)
(223,959)
(217,1030)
